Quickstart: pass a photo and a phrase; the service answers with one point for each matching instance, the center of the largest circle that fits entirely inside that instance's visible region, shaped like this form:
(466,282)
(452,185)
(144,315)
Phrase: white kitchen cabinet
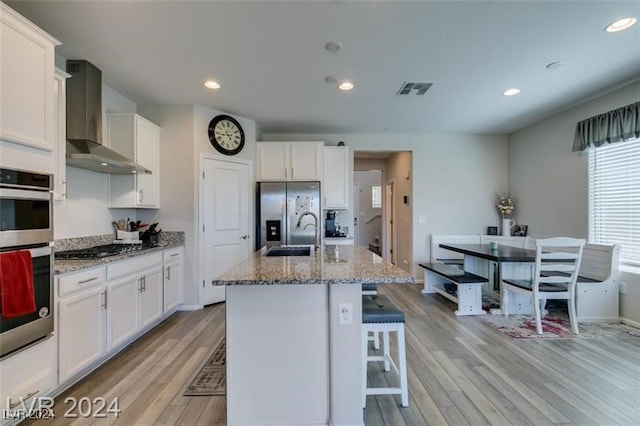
(81,321)
(336,185)
(151,297)
(278,161)
(60,171)
(173,270)
(123,310)
(135,301)
(26,82)
(138,139)
(29,373)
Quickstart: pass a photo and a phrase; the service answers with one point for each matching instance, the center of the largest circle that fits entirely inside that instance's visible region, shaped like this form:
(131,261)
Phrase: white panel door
(226,221)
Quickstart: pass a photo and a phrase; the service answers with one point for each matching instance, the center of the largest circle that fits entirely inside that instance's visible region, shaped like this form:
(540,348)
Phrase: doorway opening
(383,214)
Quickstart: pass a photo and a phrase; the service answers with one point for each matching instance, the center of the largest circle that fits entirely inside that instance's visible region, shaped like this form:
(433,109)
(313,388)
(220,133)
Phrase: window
(376,197)
(614,198)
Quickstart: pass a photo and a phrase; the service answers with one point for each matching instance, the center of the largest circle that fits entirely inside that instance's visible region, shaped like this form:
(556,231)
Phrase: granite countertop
(63,266)
(332,264)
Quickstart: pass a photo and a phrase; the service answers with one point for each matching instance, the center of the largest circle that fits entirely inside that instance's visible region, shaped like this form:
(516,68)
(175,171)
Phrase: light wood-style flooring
(461,371)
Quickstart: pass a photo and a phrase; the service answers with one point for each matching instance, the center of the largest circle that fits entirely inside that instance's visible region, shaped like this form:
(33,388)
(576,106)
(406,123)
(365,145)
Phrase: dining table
(497,262)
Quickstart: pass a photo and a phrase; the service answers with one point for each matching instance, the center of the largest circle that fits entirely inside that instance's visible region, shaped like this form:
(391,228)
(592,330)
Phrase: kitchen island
(293,327)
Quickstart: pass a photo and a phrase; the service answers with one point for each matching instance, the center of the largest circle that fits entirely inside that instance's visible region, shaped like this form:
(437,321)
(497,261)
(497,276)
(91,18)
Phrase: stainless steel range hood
(84,124)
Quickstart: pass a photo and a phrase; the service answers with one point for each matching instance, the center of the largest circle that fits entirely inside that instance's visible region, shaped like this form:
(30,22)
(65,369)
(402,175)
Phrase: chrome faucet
(315,218)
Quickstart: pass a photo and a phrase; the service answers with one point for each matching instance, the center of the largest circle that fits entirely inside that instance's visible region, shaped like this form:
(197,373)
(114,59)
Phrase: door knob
(244,237)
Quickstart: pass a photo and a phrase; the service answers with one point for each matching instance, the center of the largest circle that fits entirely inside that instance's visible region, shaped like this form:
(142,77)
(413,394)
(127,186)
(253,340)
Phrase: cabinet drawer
(139,263)
(29,373)
(82,280)
(172,254)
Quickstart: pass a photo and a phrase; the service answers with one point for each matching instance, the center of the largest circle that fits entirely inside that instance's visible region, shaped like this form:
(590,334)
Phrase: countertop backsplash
(164,238)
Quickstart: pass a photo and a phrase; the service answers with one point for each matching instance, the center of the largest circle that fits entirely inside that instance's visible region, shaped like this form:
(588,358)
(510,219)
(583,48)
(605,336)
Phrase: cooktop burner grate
(98,252)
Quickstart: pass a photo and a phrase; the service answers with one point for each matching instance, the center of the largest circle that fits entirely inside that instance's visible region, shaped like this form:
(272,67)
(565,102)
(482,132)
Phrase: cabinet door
(172,285)
(26,82)
(151,307)
(306,161)
(148,155)
(123,310)
(82,330)
(336,182)
(273,161)
(60,175)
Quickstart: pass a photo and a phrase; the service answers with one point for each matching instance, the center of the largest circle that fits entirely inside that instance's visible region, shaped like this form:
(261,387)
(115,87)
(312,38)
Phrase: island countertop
(330,264)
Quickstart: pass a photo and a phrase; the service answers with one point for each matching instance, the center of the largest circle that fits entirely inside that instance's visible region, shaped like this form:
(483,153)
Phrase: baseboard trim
(189,307)
(630,322)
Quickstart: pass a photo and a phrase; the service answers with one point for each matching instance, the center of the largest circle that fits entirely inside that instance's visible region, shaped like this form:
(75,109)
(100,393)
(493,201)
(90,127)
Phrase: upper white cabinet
(289,161)
(336,185)
(138,139)
(60,170)
(27,97)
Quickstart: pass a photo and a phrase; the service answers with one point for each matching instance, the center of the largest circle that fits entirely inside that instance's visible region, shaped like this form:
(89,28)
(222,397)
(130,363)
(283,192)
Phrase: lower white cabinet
(81,321)
(123,310)
(28,374)
(173,271)
(102,309)
(135,297)
(151,296)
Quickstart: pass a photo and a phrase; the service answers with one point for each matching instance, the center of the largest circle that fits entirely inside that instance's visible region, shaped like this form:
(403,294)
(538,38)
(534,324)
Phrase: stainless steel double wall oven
(26,223)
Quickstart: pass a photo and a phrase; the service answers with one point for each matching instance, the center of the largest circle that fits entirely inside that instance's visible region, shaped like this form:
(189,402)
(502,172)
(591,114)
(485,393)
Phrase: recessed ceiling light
(554,65)
(345,85)
(511,92)
(621,24)
(104,164)
(212,84)
(333,46)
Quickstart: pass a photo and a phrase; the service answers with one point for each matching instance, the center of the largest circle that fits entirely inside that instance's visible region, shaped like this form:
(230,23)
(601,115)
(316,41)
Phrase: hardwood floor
(461,371)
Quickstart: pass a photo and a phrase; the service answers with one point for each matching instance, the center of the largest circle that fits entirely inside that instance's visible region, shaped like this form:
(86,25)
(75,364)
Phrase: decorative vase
(507,224)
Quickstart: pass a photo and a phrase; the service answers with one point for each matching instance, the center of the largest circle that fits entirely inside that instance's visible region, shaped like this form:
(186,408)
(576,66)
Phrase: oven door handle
(22,194)
(35,252)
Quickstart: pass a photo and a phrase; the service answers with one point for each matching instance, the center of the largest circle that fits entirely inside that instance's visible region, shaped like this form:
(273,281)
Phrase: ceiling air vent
(414,88)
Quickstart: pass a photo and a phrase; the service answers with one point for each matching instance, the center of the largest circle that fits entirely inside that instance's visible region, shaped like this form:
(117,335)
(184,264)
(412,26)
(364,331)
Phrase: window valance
(613,126)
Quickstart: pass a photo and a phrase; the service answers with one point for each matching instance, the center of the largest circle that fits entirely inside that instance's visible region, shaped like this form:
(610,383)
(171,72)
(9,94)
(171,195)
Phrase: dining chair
(554,277)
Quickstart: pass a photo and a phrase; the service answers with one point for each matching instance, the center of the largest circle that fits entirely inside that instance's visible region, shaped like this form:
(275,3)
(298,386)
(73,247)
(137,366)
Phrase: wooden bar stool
(379,315)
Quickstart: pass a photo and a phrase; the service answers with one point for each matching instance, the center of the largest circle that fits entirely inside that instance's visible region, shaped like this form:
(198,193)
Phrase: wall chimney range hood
(84,124)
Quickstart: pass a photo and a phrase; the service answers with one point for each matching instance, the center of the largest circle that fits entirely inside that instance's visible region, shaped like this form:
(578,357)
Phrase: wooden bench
(597,286)
(597,296)
(468,285)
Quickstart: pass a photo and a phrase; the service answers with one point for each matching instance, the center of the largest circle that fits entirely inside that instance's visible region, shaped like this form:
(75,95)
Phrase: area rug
(557,327)
(211,379)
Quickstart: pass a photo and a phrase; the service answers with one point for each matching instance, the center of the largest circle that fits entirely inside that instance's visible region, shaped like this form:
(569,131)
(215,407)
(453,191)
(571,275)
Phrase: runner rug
(557,327)
(211,379)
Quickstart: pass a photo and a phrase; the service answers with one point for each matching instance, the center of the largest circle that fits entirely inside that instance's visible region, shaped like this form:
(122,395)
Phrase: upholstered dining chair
(554,277)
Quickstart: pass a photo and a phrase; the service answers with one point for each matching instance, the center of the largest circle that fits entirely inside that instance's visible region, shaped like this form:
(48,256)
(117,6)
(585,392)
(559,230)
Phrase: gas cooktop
(98,252)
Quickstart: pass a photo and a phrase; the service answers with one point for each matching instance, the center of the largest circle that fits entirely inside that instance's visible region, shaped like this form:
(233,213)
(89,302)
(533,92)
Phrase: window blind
(614,198)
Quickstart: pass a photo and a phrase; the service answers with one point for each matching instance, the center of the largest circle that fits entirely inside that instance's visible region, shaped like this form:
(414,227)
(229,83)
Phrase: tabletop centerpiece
(506,207)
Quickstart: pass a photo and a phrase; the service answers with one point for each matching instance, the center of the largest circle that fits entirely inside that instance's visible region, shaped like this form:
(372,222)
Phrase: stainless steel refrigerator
(288,213)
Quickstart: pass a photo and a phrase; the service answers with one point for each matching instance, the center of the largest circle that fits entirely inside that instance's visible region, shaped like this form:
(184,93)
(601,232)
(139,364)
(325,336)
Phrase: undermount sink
(289,251)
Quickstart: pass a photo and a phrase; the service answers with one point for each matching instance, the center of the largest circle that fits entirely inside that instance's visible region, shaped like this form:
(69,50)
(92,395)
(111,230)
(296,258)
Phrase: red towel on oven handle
(17,293)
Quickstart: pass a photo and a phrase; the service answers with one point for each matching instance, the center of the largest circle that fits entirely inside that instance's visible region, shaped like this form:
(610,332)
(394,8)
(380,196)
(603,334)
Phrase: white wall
(549,182)
(86,212)
(452,176)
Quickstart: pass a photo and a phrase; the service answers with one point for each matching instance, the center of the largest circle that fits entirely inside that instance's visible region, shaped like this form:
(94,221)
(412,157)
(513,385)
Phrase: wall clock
(226,135)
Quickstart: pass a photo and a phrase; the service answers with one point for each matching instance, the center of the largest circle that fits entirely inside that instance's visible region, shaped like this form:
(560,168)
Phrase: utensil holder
(127,236)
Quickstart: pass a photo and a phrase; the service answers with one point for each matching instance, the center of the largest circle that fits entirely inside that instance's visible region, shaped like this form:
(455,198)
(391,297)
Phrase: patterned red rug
(554,327)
